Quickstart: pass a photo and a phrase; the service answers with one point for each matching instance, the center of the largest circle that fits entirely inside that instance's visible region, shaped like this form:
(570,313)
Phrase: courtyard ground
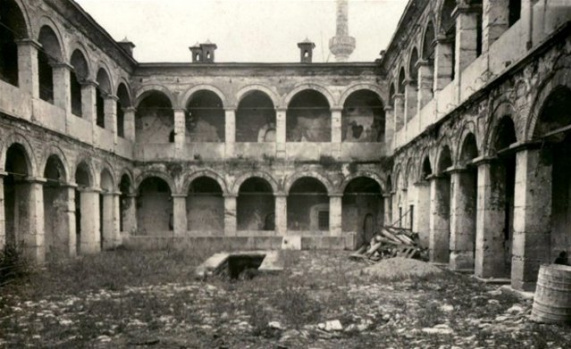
(134,299)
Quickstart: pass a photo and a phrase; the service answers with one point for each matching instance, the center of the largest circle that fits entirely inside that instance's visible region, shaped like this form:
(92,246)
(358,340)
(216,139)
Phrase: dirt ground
(321,300)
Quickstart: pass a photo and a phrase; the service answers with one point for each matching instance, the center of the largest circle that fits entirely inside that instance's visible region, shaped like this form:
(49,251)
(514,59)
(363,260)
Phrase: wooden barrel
(552,301)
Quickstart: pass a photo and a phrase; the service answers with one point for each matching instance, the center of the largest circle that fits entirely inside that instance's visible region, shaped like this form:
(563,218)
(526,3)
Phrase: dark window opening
(411,213)
(120,121)
(100,109)
(171,137)
(46,79)
(75,87)
(514,11)
(8,56)
(479,37)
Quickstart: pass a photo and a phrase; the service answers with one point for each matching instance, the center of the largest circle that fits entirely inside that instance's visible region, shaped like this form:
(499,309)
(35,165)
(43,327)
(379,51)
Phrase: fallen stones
(438,329)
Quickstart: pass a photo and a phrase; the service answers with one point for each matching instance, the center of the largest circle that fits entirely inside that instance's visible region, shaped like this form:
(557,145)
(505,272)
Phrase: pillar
(422,213)
(69,234)
(179,128)
(28,72)
(110,112)
(230,216)
(410,100)
(108,233)
(490,218)
(230,132)
(117,241)
(129,119)
(130,214)
(439,240)
(443,63)
(532,217)
(31,225)
(180,224)
(388,205)
(90,238)
(495,21)
(462,220)
(62,86)
(335,214)
(425,83)
(336,131)
(389,129)
(281,132)
(398,112)
(281,214)
(466,36)
(88,101)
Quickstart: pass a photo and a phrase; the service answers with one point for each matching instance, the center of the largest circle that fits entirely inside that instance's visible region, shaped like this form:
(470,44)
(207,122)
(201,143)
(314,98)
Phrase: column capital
(70,185)
(281,109)
(389,108)
(456,169)
(110,193)
(434,177)
(89,190)
(29,42)
(465,8)
(387,195)
(398,96)
(62,65)
(229,196)
(230,109)
(111,97)
(422,183)
(179,110)
(130,110)
(336,195)
(174,196)
(422,63)
(483,160)
(3,174)
(443,39)
(408,82)
(39,180)
(336,109)
(89,83)
(280,195)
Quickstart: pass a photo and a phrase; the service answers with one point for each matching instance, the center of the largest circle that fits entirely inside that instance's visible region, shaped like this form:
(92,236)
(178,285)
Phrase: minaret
(342,45)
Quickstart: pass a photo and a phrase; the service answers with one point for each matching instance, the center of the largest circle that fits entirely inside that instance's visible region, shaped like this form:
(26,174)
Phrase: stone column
(117,238)
(28,71)
(180,224)
(466,36)
(281,132)
(281,214)
(425,83)
(439,240)
(32,219)
(398,111)
(88,101)
(230,132)
(130,214)
(336,131)
(443,63)
(69,234)
(230,216)
(129,119)
(462,220)
(179,128)
(90,237)
(2,212)
(422,213)
(388,205)
(389,129)
(335,214)
(110,112)
(495,21)
(532,217)
(410,100)
(107,233)
(490,218)
(62,86)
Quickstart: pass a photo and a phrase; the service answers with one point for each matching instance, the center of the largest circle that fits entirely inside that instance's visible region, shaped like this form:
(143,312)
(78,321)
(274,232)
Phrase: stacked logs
(388,243)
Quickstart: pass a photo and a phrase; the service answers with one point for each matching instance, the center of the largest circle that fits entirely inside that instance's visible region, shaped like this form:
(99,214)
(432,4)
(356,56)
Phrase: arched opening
(402,78)
(48,55)
(205,206)
(553,128)
(426,81)
(57,227)
(102,91)
(412,65)
(448,30)
(422,213)
(154,207)
(16,195)
(308,118)
(87,229)
(256,205)
(126,206)
(12,29)
(514,11)
(440,209)
(78,76)
(363,118)
(154,119)
(108,233)
(205,118)
(362,207)
(308,206)
(123,101)
(465,210)
(256,119)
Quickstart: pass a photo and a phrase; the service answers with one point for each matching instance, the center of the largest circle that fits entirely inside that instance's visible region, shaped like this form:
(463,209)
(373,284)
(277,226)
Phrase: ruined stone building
(460,131)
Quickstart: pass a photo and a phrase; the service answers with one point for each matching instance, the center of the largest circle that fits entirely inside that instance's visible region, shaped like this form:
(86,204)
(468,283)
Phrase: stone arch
(412,60)
(125,172)
(363,174)
(401,80)
(144,91)
(444,158)
(469,130)
(444,12)
(54,150)
(17,138)
(187,96)
(244,91)
(260,174)
(205,173)
(161,175)
(56,52)
(310,86)
(106,180)
(359,87)
(124,95)
(290,180)
(411,171)
(28,30)
(428,37)
(398,176)
(560,79)
(503,109)
(84,163)
(104,78)
(79,49)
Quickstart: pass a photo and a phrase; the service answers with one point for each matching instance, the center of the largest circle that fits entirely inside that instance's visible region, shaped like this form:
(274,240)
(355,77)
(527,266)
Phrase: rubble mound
(399,267)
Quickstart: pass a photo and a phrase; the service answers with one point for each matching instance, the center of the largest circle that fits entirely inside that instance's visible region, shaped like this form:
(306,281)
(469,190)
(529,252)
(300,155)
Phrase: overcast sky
(244,30)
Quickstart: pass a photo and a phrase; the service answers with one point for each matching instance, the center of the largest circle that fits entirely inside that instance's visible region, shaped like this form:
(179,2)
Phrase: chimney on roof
(196,51)
(127,45)
(208,49)
(306,51)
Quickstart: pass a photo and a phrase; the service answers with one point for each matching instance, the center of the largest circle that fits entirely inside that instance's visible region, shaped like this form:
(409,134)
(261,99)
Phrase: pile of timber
(388,243)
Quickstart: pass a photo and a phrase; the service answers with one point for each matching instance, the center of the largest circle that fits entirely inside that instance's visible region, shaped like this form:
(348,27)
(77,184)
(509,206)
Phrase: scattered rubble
(390,242)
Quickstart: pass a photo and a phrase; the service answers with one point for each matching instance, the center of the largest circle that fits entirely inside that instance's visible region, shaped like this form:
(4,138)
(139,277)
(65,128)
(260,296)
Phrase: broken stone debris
(390,242)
